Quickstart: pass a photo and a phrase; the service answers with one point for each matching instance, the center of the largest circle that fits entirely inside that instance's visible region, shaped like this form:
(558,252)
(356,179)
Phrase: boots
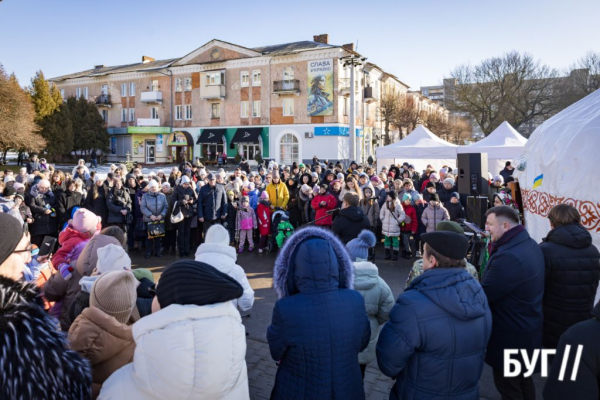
(408,255)
(394,255)
(136,248)
(388,254)
(159,252)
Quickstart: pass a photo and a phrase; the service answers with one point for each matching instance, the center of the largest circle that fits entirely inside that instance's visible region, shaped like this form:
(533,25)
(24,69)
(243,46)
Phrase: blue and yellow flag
(538,181)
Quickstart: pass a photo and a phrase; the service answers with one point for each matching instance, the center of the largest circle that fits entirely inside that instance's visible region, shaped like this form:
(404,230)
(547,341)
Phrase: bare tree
(514,88)
(585,73)
(408,115)
(388,110)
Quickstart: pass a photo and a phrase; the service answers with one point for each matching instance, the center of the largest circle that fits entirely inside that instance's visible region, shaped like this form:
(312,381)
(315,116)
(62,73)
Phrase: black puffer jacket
(67,200)
(349,223)
(97,205)
(572,275)
(117,200)
(179,195)
(38,355)
(43,224)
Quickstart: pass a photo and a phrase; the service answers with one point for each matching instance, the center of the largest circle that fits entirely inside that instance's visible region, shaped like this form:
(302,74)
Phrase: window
(124,115)
(154,113)
(178,85)
(188,112)
(289,149)
(154,86)
(85,93)
(245,78)
(256,78)
(104,89)
(256,108)
(188,84)
(62,93)
(77,93)
(215,111)
(244,109)
(132,89)
(132,114)
(105,116)
(215,78)
(288,73)
(346,106)
(288,107)
(178,113)
(123,90)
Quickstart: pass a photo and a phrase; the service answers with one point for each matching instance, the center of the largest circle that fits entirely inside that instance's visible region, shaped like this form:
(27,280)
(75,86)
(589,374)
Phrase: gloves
(66,271)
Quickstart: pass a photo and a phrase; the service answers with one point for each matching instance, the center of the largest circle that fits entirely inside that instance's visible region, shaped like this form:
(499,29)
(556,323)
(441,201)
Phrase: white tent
(502,145)
(557,162)
(420,147)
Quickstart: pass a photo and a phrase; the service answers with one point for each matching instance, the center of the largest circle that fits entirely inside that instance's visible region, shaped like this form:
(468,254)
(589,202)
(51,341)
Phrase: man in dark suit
(351,220)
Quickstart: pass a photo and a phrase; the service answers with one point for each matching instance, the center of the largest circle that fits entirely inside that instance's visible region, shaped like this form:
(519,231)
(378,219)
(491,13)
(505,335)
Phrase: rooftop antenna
(357,45)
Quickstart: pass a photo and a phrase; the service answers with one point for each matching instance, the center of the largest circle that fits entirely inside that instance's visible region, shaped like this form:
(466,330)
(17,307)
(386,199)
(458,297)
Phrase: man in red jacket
(322,203)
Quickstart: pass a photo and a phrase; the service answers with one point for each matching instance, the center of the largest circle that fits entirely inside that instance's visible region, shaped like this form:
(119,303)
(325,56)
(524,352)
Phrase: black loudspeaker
(476,209)
(473,174)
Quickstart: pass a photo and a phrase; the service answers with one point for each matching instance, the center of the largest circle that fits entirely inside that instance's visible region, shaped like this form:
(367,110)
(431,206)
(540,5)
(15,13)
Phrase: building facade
(286,102)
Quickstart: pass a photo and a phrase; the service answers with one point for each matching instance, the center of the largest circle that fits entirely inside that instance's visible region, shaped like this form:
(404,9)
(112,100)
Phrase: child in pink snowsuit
(245,222)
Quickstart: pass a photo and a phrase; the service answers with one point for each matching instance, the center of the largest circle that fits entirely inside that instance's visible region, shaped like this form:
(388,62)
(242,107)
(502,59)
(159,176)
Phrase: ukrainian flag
(538,181)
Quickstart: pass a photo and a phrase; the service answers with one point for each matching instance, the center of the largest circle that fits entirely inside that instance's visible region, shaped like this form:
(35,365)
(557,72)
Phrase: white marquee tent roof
(555,168)
(503,143)
(421,143)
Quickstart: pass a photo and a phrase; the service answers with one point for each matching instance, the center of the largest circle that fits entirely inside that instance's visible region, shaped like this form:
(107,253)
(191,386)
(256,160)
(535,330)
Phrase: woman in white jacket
(392,215)
(216,251)
(378,296)
(192,346)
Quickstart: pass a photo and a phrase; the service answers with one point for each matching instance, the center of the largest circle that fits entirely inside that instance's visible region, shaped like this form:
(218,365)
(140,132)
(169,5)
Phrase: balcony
(344,87)
(291,86)
(151,97)
(368,95)
(148,122)
(103,100)
(212,92)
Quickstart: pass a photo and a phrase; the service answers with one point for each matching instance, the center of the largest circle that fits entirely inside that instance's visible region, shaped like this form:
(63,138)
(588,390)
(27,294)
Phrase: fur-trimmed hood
(37,354)
(312,259)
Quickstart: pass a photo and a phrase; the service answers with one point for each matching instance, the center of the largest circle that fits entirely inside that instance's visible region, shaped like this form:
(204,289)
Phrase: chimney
(324,38)
(99,66)
(349,46)
(146,59)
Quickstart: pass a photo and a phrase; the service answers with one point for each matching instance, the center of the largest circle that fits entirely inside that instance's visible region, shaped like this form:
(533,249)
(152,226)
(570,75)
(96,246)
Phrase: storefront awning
(246,135)
(211,136)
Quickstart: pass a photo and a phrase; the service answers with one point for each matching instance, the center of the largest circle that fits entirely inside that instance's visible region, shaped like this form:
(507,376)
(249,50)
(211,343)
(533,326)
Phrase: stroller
(281,229)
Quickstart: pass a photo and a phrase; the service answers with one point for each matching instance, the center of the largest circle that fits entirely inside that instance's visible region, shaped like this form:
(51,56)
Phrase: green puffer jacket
(379,300)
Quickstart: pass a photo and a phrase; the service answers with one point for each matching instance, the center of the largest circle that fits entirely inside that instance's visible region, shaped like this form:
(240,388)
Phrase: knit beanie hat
(340,176)
(450,226)
(112,258)
(434,176)
(359,248)
(324,186)
(393,195)
(141,273)
(10,235)
(264,195)
(434,197)
(115,294)
(375,179)
(251,186)
(217,234)
(449,180)
(18,186)
(185,179)
(188,282)
(406,197)
(306,189)
(276,174)
(499,178)
(85,221)
(417,197)
(444,171)
(455,194)
(9,191)
(429,185)
(245,199)
(153,184)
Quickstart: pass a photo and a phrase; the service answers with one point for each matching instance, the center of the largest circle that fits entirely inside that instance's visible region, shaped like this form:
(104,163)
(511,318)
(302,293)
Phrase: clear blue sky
(420,41)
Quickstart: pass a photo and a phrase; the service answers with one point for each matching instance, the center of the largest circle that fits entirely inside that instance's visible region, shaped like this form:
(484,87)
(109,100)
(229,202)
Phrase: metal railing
(290,85)
(103,99)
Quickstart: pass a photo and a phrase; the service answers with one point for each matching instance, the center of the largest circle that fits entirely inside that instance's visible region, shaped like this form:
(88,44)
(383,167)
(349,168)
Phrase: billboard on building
(320,87)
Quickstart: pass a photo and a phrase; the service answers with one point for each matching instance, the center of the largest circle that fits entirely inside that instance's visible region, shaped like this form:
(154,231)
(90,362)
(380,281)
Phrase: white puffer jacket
(223,258)
(185,352)
(390,223)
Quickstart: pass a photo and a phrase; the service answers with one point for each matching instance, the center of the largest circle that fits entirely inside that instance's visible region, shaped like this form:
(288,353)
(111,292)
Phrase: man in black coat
(572,273)
(351,220)
(42,204)
(514,286)
(586,385)
(33,164)
(507,173)
(212,203)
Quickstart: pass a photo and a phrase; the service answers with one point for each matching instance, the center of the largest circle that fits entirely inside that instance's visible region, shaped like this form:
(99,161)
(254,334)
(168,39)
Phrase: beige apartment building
(288,102)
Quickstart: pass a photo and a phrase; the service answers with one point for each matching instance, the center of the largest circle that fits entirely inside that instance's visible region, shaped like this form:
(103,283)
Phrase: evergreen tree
(44,98)
(57,129)
(88,127)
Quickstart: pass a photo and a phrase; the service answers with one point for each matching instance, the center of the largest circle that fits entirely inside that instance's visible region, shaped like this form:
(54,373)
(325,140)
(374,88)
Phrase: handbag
(129,218)
(176,217)
(141,226)
(156,229)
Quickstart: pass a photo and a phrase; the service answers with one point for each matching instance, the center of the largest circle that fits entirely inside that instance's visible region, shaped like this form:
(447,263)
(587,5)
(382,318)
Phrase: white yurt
(502,145)
(558,166)
(420,147)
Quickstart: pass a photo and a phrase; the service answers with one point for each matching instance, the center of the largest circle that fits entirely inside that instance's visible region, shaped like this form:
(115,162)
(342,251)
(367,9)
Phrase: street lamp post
(353,61)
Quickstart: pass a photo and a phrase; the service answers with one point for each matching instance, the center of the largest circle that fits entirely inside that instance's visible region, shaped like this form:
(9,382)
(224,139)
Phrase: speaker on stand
(473,185)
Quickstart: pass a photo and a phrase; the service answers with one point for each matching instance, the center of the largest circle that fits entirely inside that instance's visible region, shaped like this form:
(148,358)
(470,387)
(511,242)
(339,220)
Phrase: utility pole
(353,61)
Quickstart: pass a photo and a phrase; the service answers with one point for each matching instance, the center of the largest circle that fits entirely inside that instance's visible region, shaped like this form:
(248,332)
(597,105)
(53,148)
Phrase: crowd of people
(79,322)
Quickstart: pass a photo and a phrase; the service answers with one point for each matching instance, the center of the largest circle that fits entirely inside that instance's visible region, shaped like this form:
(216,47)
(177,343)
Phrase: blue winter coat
(514,286)
(319,323)
(434,344)
(253,197)
(212,202)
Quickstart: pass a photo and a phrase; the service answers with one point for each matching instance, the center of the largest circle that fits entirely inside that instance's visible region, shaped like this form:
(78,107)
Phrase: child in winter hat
(358,248)
(114,293)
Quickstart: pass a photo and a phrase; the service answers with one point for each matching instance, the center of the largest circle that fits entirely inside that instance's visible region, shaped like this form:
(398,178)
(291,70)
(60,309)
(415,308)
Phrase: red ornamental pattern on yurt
(540,203)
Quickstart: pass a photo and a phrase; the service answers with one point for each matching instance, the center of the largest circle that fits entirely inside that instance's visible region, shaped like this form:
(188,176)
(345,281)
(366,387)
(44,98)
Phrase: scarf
(507,237)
